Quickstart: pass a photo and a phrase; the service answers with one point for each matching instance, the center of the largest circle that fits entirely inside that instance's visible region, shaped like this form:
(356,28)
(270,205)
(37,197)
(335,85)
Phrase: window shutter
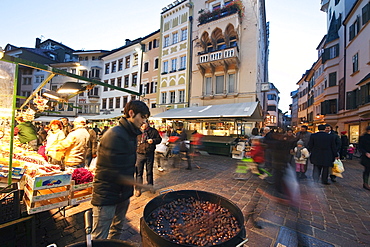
(325,55)
(351,32)
(365,14)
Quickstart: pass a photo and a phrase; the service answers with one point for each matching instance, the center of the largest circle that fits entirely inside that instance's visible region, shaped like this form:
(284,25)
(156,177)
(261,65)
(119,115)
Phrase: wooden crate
(80,193)
(45,193)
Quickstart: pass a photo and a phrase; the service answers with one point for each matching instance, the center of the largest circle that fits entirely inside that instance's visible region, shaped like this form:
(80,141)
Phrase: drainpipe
(190,5)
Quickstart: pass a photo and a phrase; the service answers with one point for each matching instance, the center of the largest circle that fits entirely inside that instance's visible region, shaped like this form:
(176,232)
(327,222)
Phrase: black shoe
(366,186)
(333,180)
(188,168)
(326,183)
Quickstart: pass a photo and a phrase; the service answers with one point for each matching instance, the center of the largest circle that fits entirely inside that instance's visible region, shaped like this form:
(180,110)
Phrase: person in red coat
(257,153)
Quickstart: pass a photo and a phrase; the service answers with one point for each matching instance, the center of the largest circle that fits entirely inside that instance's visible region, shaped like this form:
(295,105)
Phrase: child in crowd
(351,150)
(301,155)
(257,153)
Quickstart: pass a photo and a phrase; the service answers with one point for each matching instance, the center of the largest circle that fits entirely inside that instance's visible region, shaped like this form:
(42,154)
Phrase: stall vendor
(75,144)
(26,132)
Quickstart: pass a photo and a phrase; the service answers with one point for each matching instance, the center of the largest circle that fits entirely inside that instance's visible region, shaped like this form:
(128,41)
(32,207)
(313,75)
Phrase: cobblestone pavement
(338,214)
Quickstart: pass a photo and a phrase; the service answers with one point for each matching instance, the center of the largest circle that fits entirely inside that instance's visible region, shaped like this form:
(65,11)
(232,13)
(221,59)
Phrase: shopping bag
(338,166)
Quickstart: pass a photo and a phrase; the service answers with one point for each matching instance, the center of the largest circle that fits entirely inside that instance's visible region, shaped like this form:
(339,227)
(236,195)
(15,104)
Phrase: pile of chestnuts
(192,222)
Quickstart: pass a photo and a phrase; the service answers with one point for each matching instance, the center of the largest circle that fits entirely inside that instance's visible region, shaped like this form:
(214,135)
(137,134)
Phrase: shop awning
(88,117)
(248,111)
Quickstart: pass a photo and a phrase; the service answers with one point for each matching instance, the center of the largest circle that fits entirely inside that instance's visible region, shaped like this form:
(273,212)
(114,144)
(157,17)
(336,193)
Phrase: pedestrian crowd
(275,153)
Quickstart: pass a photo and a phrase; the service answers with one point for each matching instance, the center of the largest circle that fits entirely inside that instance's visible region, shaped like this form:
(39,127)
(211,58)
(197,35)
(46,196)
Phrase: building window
(175,38)
(181,96)
(118,102)
(150,45)
(155,43)
(120,64)
(271,108)
(173,65)
(125,100)
(127,62)
(73,71)
(93,58)
(166,42)
(172,97)
(119,82)
(271,96)
(126,81)
(83,73)
(231,86)
(354,29)
(112,83)
(220,84)
(208,86)
(355,63)
(217,6)
(365,14)
(182,62)
(332,79)
(163,97)
(184,34)
(95,73)
(114,66)
(146,66)
(104,103)
(105,88)
(111,103)
(94,92)
(134,79)
(156,63)
(154,88)
(136,59)
(26,80)
(107,68)
(165,67)
(39,79)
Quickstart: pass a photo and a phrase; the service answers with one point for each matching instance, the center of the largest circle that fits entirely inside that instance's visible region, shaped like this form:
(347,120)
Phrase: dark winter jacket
(116,157)
(322,148)
(364,147)
(143,146)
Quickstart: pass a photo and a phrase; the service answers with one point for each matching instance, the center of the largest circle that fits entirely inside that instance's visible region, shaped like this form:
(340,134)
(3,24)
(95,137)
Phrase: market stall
(221,125)
(45,185)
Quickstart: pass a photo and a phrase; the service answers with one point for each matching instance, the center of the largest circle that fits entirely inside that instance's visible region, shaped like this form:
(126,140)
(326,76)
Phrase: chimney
(128,41)
(38,41)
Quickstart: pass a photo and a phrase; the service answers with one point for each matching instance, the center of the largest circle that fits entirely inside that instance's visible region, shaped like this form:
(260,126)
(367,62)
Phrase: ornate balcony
(226,56)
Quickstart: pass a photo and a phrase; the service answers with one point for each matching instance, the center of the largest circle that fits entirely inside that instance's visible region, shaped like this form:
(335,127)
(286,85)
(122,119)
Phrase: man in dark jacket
(338,144)
(323,153)
(114,175)
(147,142)
(364,146)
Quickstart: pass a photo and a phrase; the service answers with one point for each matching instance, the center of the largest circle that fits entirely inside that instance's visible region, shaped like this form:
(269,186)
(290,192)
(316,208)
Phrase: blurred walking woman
(364,146)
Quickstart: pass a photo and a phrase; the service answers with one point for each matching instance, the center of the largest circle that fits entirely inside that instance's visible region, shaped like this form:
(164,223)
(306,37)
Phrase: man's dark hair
(136,106)
(305,127)
(321,127)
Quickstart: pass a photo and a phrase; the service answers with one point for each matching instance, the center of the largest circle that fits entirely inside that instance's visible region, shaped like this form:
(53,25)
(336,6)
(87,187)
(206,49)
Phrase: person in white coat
(301,155)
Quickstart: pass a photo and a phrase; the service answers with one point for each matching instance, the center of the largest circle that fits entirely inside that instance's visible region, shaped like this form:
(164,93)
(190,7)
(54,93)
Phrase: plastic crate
(9,203)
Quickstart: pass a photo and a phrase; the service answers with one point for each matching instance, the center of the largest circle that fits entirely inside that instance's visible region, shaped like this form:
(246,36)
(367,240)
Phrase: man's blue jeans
(108,220)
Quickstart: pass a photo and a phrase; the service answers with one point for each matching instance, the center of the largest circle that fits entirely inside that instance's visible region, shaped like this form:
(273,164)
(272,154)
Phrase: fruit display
(192,222)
